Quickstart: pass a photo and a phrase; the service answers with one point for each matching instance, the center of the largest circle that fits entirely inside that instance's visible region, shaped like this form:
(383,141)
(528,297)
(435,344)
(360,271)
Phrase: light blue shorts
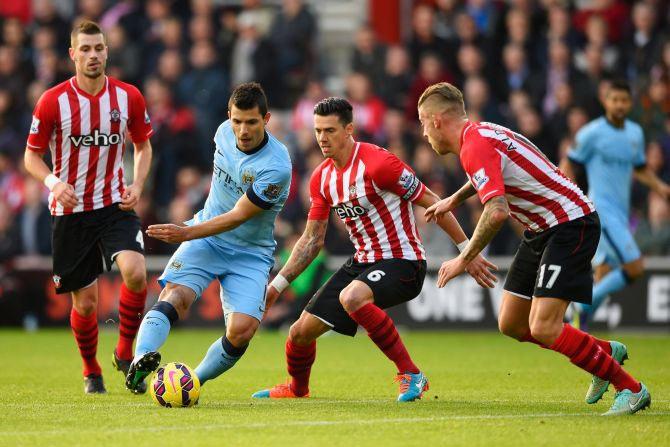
(617,245)
(242,273)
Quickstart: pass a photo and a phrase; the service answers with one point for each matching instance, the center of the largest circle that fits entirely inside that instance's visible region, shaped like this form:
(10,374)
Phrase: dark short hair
(620,85)
(85,27)
(335,106)
(247,96)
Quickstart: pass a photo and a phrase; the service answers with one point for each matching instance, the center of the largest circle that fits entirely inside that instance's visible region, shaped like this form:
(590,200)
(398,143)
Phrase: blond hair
(446,97)
(85,27)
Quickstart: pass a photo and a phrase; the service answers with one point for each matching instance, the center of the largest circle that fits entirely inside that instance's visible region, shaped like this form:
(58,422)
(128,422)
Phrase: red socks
(85,330)
(299,360)
(587,352)
(382,331)
(131,309)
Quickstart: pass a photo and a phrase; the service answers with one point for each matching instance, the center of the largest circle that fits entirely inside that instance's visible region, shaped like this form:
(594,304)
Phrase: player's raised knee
(511,330)
(546,331)
(352,298)
(136,279)
(179,297)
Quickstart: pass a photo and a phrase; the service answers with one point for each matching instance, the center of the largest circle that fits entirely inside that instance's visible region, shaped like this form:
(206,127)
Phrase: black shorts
(556,263)
(393,281)
(85,244)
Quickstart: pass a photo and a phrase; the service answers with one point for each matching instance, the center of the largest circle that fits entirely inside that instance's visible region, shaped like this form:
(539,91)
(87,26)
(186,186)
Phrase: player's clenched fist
(130,197)
(64,194)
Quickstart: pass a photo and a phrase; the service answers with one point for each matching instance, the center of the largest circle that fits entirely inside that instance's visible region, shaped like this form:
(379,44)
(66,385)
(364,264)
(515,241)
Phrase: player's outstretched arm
(63,192)
(142,164)
(648,178)
(480,268)
(304,251)
(495,213)
(442,207)
(243,210)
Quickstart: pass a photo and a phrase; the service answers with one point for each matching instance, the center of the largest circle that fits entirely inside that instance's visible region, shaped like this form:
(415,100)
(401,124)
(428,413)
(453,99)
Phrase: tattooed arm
(439,209)
(304,251)
(496,211)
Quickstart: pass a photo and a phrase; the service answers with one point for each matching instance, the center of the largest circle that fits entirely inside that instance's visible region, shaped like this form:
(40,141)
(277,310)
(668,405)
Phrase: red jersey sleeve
(319,209)
(482,164)
(392,174)
(43,124)
(139,124)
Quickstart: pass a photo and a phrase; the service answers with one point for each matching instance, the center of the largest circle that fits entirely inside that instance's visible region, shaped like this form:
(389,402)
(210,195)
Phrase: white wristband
(50,181)
(461,246)
(280,283)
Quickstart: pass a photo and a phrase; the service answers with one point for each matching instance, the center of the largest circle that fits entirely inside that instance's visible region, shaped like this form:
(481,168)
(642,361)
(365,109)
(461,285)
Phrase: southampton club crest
(115,116)
(352,191)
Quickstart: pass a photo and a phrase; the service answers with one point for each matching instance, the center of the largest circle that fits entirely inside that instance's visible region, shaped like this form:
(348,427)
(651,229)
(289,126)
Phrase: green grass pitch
(485,390)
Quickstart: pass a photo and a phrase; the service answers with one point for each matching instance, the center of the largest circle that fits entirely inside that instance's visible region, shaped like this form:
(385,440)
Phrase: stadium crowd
(538,67)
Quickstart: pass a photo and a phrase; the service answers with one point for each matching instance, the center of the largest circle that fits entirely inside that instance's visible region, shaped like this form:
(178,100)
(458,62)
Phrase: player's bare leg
(84,323)
(586,352)
(131,308)
(358,300)
(173,304)
(514,318)
(300,356)
(227,350)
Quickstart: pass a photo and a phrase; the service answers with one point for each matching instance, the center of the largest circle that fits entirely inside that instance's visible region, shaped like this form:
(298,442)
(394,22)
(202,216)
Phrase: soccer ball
(175,385)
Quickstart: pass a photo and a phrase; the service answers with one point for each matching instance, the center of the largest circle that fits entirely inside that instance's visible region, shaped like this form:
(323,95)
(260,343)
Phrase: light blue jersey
(609,155)
(264,175)
(240,259)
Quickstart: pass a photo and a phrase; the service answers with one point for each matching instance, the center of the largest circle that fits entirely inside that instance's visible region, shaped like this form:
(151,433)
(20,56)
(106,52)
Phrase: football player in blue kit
(230,240)
(612,151)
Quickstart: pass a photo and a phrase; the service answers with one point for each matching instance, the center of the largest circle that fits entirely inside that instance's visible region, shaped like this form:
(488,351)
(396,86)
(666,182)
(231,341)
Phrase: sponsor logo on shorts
(56,279)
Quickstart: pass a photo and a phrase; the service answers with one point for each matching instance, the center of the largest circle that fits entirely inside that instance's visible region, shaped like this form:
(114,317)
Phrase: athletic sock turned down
(131,308)
(384,334)
(299,361)
(585,351)
(155,328)
(220,357)
(85,331)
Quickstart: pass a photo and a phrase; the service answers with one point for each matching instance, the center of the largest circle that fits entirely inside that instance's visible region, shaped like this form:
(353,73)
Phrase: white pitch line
(257,425)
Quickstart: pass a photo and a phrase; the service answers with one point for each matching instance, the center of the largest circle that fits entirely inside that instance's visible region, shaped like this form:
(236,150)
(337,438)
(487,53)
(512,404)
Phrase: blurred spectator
(615,13)
(516,70)
(431,70)
(369,56)
(11,184)
(368,109)
(170,67)
(530,125)
(480,106)
(34,220)
(445,18)
(10,243)
(303,112)
(596,39)
(293,34)
(484,13)
(174,128)
(205,89)
(254,59)
(645,45)
(652,109)
(424,40)
(124,56)
(396,78)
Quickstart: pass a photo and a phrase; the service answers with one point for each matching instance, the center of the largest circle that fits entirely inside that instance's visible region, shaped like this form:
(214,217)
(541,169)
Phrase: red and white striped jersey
(499,162)
(86,135)
(373,195)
